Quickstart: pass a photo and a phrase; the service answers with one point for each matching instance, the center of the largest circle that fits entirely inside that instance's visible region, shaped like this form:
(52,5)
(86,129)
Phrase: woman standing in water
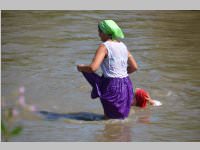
(114,87)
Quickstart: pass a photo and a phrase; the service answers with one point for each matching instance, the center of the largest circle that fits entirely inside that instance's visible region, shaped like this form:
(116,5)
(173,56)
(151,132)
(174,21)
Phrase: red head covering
(141,97)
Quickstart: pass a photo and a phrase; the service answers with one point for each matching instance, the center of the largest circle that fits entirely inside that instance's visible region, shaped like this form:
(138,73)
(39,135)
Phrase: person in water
(142,98)
(114,87)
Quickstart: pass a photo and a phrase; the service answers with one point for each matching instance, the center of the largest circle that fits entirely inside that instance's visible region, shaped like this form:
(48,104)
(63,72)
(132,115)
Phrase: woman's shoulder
(113,42)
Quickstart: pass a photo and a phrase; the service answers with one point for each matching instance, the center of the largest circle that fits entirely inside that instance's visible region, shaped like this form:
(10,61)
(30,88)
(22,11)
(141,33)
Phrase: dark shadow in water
(85,116)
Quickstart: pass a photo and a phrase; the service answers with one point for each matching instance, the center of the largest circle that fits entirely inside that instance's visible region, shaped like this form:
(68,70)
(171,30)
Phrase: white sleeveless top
(115,64)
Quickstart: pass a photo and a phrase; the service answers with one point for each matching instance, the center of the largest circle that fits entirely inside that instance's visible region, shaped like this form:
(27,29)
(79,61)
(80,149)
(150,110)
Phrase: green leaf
(16,131)
(5,132)
(3,127)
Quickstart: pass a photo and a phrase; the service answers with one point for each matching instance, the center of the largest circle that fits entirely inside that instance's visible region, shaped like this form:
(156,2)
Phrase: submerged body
(142,98)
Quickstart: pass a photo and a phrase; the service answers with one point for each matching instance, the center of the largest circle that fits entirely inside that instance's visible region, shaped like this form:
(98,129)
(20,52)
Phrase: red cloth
(141,97)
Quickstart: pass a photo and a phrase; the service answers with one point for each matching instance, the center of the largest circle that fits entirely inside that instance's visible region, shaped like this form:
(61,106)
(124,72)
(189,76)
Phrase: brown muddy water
(40,50)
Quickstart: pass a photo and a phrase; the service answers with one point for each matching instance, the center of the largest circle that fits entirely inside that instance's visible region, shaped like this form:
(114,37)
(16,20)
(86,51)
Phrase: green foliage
(8,130)
(16,131)
(3,127)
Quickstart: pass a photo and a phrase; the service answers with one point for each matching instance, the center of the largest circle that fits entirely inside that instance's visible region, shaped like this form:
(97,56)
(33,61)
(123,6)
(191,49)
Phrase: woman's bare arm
(132,65)
(96,62)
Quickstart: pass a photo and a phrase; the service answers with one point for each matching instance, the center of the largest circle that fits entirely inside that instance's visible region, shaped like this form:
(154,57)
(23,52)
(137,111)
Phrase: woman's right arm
(132,65)
(96,62)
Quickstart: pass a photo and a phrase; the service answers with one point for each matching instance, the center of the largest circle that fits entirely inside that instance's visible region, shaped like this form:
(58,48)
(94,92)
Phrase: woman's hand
(79,67)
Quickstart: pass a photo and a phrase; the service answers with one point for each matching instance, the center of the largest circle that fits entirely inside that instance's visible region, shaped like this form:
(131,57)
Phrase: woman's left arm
(96,62)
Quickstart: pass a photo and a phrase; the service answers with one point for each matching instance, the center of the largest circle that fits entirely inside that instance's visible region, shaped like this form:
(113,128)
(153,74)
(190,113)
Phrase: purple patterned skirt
(116,94)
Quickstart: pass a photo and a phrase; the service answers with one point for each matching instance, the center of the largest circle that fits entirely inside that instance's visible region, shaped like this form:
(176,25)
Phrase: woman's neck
(111,40)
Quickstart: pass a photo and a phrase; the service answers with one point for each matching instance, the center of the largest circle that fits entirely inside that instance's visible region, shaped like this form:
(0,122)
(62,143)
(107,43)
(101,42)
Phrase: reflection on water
(40,50)
(115,133)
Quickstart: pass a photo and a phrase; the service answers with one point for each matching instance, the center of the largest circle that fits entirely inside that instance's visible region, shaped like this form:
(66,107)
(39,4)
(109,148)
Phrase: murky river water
(40,50)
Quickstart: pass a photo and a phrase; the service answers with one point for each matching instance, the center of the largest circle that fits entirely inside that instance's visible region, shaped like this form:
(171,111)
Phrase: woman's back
(115,64)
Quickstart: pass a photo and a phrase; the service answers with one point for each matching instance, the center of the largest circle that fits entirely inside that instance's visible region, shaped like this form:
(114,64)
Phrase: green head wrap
(109,27)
